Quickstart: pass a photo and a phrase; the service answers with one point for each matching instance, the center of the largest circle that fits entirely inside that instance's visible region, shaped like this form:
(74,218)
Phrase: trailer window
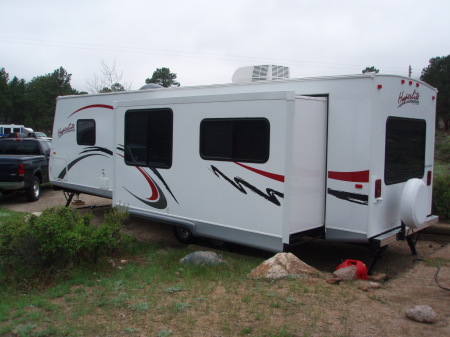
(148,137)
(86,132)
(405,149)
(235,139)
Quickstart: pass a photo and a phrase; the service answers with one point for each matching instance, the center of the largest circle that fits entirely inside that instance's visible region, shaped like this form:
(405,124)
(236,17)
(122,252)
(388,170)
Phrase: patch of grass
(24,330)
(5,329)
(280,333)
(290,300)
(441,183)
(165,333)
(181,306)
(140,306)
(58,291)
(154,293)
(442,147)
(441,196)
(246,331)
(10,215)
(174,289)
(434,262)
(131,330)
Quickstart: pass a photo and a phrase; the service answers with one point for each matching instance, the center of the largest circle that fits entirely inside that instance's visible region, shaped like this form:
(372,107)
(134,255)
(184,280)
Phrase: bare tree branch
(109,80)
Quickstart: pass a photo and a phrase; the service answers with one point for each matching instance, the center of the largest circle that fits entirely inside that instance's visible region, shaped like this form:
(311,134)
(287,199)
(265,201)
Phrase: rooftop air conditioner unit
(260,73)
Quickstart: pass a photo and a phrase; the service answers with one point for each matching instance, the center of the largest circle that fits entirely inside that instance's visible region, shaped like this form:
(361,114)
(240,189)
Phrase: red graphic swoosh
(155,194)
(273,176)
(356,176)
(104,106)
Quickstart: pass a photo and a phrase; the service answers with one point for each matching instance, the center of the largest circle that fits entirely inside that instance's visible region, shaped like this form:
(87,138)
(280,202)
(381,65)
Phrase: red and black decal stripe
(102,106)
(240,184)
(361,199)
(157,198)
(277,177)
(355,177)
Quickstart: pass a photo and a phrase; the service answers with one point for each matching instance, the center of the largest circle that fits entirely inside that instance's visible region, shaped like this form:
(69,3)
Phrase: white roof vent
(260,73)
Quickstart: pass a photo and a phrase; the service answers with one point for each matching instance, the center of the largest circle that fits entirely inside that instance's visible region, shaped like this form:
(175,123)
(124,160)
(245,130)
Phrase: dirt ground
(410,280)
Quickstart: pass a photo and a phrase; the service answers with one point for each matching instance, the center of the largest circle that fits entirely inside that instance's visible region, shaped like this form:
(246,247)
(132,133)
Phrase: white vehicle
(6,129)
(42,135)
(349,158)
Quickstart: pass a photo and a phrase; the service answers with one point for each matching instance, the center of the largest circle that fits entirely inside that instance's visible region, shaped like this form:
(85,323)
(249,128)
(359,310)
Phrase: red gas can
(361,269)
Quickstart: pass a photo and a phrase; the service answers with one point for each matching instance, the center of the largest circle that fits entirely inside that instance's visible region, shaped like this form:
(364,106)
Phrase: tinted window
(45,147)
(232,139)
(19,147)
(148,137)
(86,132)
(405,149)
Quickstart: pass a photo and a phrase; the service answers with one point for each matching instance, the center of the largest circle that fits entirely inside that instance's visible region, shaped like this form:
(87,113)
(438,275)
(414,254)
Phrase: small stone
(334,280)
(123,261)
(421,313)
(112,263)
(346,273)
(378,277)
(202,258)
(366,286)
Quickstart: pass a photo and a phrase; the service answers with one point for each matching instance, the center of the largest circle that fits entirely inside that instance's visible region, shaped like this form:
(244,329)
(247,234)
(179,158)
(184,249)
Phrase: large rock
(421,313)
(346,273)
(202,258)
(280,266)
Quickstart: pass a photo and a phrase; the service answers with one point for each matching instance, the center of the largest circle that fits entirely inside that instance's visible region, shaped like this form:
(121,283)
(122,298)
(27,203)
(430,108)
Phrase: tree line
(33,103)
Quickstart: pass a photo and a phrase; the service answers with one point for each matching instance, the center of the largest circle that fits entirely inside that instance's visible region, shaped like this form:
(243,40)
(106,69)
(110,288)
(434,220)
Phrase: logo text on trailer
(408,98)
(68,128)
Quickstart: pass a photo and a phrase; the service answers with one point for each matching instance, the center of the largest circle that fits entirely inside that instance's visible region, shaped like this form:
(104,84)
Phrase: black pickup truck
(24,165)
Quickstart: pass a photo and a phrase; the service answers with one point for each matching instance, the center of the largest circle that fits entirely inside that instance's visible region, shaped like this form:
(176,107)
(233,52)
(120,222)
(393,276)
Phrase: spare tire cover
(414,203)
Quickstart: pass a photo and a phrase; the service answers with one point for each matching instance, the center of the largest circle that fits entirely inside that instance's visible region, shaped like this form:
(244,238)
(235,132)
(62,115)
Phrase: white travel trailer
(262,164)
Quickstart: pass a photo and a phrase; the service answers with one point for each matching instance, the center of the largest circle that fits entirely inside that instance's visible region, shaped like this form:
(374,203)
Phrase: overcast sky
(204,42)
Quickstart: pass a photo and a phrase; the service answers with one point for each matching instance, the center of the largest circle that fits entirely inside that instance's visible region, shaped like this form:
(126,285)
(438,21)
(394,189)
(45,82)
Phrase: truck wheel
(183,234)
(33,192)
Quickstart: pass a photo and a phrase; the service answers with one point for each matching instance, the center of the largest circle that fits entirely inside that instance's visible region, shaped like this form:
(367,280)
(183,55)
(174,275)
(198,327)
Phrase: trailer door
(308,168)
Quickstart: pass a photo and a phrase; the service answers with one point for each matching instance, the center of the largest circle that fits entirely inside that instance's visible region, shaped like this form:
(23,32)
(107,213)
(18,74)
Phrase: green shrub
(442,147)
(441,196)
(57,238)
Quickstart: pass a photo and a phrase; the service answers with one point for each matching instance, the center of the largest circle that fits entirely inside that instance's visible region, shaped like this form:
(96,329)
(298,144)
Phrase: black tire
(33,192)
(183,234)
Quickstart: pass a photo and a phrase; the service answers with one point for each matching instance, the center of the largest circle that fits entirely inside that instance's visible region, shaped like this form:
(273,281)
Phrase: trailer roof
(304,79)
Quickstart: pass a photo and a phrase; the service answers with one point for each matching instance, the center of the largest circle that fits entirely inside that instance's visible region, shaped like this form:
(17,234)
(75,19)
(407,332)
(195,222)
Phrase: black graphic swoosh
(240,183)
(63,173)
(361,199)
(97,148)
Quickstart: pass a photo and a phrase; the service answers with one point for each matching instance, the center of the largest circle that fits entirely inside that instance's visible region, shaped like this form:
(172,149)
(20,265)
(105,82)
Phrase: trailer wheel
(33,193)
(183,234)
